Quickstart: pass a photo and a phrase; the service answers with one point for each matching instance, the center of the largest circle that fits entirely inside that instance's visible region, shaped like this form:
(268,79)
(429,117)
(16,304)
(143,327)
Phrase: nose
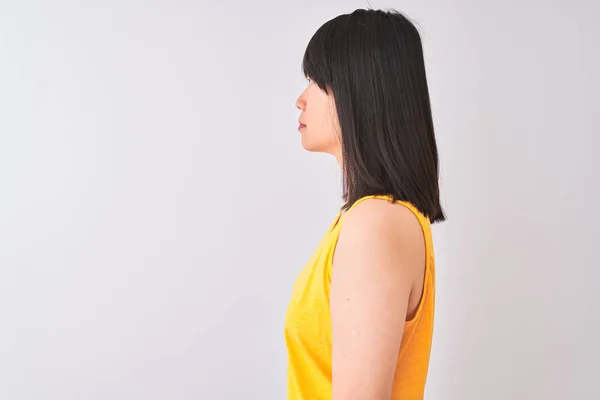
(301,102)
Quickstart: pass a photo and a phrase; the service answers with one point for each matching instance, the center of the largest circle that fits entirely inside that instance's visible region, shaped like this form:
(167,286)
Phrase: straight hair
(372,62)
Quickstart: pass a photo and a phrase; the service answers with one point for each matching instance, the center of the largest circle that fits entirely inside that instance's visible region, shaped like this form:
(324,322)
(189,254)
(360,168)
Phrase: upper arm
(376,258)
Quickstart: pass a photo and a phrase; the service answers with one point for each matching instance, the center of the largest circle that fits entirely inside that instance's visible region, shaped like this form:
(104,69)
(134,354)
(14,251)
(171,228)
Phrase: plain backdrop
(156,204)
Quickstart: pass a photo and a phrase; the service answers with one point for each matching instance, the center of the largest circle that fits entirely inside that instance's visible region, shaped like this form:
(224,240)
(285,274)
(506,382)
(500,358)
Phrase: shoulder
(377,229)
(380,218)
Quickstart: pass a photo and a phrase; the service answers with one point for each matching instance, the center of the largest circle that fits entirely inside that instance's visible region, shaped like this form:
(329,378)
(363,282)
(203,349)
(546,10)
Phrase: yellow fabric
(308,324)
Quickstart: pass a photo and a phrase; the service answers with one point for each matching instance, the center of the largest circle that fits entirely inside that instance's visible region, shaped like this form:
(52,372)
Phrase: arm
(379,252)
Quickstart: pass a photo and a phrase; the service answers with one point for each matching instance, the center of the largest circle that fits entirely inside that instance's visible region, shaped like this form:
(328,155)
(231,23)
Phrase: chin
(311,144)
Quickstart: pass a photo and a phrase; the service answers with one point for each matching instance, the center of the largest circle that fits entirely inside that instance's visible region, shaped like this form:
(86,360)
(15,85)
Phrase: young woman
(360,321)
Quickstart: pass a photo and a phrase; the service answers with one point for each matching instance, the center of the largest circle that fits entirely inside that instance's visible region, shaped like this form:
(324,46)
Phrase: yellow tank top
(308,324)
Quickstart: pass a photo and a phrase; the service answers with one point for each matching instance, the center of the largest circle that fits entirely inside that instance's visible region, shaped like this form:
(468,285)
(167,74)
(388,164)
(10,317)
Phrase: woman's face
(320,126)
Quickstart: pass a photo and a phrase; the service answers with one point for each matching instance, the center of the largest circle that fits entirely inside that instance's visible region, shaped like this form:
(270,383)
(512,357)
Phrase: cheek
(326,127)
(333,123)
(320,136)
(322,129)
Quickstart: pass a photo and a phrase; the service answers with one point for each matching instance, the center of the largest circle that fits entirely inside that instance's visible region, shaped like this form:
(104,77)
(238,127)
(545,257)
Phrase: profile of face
(319,123)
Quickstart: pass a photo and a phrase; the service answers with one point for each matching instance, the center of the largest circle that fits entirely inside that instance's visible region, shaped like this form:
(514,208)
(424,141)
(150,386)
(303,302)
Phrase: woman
(359,324)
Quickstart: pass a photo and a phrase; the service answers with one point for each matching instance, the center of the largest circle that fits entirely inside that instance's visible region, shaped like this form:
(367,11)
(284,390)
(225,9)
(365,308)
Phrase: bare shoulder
(383,238)
(379,219)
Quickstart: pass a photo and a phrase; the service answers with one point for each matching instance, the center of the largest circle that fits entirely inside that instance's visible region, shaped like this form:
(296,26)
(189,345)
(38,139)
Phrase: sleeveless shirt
(308,323)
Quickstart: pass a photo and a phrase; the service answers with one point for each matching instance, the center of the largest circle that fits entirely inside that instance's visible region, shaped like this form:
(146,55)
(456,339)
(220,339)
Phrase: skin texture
(378,272)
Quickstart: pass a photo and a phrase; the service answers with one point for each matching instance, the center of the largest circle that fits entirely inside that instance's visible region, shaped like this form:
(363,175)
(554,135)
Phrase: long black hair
(372,62)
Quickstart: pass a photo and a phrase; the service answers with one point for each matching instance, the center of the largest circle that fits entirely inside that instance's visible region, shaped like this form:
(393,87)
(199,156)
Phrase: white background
(156,204)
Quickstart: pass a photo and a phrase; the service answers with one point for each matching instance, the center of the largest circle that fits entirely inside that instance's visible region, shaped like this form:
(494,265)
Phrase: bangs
(317,60)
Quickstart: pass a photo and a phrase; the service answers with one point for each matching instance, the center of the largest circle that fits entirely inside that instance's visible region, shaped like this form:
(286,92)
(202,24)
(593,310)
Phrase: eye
(309,81)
